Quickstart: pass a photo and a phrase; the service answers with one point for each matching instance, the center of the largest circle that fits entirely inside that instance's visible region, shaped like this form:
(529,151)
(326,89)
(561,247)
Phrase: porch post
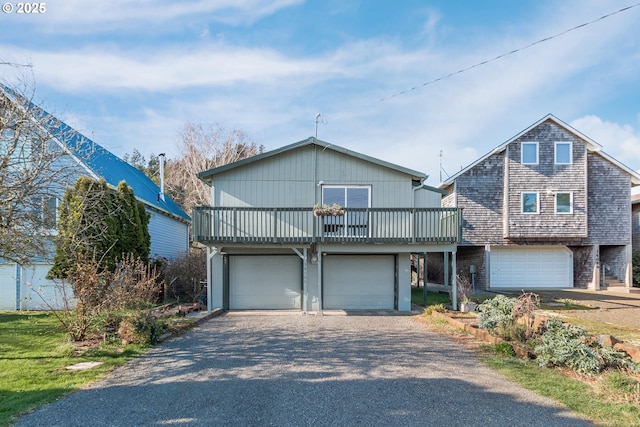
(446,269)
(303,255)
(454,281)
(211,252)
(320,256)
(424,278)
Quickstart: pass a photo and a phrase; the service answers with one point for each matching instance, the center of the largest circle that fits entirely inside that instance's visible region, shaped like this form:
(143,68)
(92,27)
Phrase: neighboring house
(268,249)
(635,221)
(546,209)
(22,285)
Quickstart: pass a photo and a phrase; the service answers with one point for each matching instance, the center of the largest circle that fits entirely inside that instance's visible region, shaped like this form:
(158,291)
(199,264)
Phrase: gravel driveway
(296,370)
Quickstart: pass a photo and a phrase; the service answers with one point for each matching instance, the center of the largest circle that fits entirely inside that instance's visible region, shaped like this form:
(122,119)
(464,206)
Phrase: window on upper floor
(564,203)
(356,199)
(563,153)
(46,212)
(529,153)
(530,204)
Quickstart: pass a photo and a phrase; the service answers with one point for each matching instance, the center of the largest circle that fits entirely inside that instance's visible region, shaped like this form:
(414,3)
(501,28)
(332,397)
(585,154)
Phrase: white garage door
(7,287)
(358,282)
(265,282)
(38,293)
(531,267)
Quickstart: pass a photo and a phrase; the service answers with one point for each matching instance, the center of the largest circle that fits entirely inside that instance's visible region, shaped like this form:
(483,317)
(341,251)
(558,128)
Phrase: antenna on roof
(318,116)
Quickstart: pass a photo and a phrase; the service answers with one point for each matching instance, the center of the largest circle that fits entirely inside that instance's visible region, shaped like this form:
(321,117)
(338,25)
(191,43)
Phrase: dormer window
(529,153)
(563,153)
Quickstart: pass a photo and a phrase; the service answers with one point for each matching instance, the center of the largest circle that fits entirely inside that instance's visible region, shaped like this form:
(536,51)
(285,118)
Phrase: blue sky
(129,74)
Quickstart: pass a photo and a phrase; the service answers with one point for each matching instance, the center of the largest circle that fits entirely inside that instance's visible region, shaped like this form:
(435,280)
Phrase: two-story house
(546,209)
(268,248)
(23,287)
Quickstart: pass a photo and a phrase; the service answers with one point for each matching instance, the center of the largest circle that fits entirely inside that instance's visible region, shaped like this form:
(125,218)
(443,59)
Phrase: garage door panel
(7,287)
(531,267)
(359,282)
(265,282)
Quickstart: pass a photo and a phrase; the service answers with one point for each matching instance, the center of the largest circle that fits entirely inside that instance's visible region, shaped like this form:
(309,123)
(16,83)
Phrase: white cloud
(620,141)
(80,16)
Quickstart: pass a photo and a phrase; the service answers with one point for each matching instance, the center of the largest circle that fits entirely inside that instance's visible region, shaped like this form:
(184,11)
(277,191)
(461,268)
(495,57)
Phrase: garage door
(38,293)
(265,282)
(7,287)
(358,282)
(531,267)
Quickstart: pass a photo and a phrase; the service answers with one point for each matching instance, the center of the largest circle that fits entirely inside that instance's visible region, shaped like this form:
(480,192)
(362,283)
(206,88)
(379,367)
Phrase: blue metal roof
(102,162)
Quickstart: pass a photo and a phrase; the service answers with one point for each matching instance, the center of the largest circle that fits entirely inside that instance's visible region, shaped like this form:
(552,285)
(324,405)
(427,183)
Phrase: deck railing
(300,225)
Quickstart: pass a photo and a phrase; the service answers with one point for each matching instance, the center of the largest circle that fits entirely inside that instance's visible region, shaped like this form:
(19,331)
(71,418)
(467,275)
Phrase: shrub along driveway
(292,370)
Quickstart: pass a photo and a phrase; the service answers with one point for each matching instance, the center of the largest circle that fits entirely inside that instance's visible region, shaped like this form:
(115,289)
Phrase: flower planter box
(328,212)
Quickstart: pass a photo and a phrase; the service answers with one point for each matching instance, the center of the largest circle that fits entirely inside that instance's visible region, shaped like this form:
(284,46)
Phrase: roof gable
(99,162)
(208,175)
(592,146)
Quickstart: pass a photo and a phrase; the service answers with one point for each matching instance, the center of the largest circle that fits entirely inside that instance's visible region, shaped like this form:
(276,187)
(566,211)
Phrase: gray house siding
(635,224)
(476,191)
(546,178)
(295,179)
(609,200)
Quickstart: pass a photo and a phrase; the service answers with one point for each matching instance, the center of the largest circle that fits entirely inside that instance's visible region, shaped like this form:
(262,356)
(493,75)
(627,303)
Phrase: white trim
(537,202)
(555,152)
(555,202)
(522,144)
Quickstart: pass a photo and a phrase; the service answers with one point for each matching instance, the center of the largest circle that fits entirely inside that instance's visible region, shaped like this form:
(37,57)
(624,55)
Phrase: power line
(479,64)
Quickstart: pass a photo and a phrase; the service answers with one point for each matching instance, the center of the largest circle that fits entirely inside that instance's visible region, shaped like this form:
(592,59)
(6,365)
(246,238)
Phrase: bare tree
(32,174)
(202,148)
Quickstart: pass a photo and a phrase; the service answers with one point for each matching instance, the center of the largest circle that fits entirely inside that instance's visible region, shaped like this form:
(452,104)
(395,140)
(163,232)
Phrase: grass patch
(433,298)
(582,398)
(35,353)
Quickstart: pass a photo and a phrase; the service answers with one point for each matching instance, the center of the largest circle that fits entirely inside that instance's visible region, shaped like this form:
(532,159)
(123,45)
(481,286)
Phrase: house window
(564,203)
(563,153)
(46,212)
(529,153)
(530,203)
(355,200)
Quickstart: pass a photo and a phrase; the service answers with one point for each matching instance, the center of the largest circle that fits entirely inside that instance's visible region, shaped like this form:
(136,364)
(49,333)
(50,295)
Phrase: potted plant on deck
(326,210)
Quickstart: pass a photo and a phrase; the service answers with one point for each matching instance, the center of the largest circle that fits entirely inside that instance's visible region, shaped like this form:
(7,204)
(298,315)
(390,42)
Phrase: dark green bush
(636,268)
(140,328)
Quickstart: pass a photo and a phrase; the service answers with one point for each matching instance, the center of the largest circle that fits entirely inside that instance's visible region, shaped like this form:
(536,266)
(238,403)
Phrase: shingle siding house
(635,221)
(546,209)
(168,223)
(269,249)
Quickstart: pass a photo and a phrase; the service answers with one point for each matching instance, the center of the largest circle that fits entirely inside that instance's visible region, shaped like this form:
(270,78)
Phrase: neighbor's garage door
(265,282)
(39,293)
(531,267)
(7,287)
(358,282)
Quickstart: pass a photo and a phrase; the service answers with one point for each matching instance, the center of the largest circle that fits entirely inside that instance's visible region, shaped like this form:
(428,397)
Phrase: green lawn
(433,298)
(34,354)
(576,395)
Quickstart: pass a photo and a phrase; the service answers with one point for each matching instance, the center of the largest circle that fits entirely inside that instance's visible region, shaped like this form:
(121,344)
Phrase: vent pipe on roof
(161,195)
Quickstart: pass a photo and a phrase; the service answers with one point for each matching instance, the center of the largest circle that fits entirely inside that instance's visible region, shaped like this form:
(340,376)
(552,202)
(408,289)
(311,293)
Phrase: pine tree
(100,224)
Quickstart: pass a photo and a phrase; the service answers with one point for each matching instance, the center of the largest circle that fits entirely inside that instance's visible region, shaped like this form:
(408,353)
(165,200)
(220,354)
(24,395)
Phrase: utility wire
(479,64)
